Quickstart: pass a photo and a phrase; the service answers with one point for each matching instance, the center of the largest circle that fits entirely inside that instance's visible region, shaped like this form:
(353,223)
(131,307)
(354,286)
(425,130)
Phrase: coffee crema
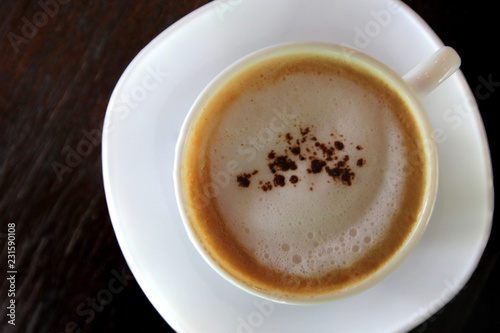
(304,174)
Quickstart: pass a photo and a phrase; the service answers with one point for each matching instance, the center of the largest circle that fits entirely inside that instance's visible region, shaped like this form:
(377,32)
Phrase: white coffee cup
(416,84)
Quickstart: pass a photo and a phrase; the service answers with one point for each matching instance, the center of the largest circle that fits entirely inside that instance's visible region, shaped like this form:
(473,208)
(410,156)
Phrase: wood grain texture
(59,63)
(56,83)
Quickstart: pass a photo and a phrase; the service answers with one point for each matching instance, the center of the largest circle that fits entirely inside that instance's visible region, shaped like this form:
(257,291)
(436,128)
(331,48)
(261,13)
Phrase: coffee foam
(319,224)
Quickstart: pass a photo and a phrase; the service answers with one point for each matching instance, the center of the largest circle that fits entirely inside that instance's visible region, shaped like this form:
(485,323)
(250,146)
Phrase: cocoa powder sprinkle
(317,166)
(333,159)
(243,180)
(279,180)
(339,145)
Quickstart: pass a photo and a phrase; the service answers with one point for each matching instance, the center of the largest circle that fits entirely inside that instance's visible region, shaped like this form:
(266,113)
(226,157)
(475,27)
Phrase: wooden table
(60,61)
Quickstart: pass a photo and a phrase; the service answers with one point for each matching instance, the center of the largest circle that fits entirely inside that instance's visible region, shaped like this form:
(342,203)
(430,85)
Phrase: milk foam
(318,224)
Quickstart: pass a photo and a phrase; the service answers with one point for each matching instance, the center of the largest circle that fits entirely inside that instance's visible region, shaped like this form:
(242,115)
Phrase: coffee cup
(306,172)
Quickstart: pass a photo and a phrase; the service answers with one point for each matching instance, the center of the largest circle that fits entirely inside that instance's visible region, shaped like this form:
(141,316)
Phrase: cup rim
(368,62)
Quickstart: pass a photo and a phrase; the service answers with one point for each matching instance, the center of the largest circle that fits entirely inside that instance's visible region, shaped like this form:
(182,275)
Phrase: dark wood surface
(59,62)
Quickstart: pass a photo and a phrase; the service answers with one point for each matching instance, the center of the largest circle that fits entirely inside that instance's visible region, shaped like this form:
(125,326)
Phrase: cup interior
(353,56)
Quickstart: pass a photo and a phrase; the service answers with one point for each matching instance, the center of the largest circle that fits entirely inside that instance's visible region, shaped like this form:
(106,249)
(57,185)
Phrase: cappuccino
(304,174)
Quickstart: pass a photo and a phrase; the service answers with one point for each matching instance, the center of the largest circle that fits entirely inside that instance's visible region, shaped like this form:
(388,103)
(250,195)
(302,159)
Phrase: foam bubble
(297,259)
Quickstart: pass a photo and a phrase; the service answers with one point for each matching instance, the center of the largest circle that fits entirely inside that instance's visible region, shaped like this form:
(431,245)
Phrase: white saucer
(143,120)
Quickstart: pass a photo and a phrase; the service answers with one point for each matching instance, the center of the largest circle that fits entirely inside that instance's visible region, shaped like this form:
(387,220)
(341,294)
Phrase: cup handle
(432,72)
